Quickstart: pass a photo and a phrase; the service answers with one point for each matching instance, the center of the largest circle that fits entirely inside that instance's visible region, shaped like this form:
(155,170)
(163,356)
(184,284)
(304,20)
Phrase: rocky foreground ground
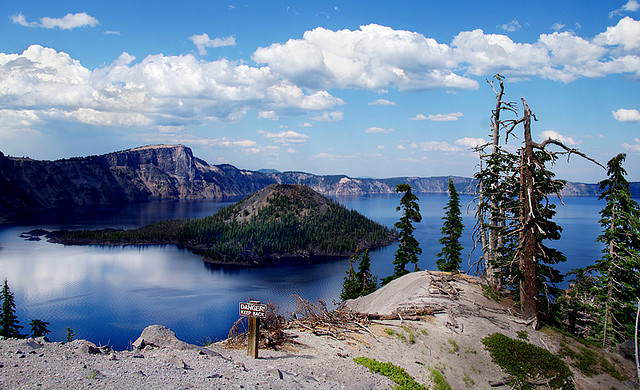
(448,340)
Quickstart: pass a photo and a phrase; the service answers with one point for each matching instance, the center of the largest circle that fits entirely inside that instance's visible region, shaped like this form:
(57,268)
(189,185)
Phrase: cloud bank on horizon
(169,98)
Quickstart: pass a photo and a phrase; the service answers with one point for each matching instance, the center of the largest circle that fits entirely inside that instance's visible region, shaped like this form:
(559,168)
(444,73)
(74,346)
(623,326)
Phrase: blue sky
(376,89)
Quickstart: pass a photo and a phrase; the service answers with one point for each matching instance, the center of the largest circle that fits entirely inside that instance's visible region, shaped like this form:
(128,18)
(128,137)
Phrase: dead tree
(527,258)
(491,213)
(536,183)
(514,213)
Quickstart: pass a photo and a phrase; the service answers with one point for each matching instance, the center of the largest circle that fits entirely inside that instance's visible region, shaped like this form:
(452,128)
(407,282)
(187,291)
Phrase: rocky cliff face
(149,172)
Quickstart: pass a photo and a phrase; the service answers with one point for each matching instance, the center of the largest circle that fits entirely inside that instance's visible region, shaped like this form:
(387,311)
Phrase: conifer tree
(514,200)
(409,248)
(619,268)
(69,334)
(449,258)
(367,282)
(9,327)
(350,285)
(360,283)
(39,328)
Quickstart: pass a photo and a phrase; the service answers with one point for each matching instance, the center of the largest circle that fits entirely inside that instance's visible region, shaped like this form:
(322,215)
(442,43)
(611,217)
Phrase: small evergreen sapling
(368,283)
(449,258)
(39,328)
(70,334)
(350,283)
(9,327)
(360,283)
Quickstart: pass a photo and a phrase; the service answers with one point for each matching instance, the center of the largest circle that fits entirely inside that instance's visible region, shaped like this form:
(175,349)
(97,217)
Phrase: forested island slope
(275,222)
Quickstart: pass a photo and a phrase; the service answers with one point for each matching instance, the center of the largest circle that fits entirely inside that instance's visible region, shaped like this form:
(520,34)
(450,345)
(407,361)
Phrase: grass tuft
(440,383)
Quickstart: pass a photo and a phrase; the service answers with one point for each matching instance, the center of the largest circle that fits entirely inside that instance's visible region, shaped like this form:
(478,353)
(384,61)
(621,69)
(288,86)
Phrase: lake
(108,295)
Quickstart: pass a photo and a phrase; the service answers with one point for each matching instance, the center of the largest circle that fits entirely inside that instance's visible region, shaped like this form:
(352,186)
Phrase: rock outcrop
(160,336)
(145,173)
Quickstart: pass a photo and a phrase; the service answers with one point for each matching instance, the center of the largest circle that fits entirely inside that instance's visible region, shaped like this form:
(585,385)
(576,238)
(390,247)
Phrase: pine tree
(409,248)
(69,334)
(360,283)
(39,328)
(449,258)
(10,327)
(350,285)
(367,282)
(619,268)
(514,200)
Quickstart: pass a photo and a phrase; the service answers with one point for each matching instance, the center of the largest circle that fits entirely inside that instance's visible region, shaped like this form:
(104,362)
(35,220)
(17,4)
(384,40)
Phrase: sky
(367,89)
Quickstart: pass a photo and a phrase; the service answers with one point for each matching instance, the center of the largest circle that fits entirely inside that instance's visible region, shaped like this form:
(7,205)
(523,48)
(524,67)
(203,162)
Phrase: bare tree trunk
(528,247)
(494,236)
(636,340)
(610,286)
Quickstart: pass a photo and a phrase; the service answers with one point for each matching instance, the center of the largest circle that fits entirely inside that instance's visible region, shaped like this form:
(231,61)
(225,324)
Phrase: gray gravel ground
(449,341)
(33,364)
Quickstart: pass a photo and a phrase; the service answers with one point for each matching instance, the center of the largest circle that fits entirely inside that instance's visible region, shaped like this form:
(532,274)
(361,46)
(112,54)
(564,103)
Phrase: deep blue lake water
(108,295)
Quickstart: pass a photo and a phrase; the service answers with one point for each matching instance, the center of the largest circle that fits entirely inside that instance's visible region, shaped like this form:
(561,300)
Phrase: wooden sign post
(254,310)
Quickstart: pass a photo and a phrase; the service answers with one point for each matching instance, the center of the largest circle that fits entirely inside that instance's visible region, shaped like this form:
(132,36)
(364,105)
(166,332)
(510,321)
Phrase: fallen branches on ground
(322,322)
(272,335)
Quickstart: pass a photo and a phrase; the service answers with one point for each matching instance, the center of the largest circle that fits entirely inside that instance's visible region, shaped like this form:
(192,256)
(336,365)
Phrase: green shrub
(393,372)
(525,362)
(588,362)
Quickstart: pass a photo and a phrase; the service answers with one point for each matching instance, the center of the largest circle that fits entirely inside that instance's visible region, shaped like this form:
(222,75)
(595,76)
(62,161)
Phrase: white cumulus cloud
(630,6)
(382,102)
(285,137)
(268,115)
(453,116)
(625,34)
(439,146)
(67,22)
(159,90)
(469,142)
(513,25)
(203,41)
(626,115)
(374,58)
(633,147)
(569,141)
(378,130)
(326,116)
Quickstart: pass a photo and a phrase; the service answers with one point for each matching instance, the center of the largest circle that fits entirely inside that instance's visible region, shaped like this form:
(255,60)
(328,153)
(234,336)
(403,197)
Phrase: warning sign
(253,309)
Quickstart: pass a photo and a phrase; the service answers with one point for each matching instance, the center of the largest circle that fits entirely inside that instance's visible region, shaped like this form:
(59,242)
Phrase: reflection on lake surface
(109,294)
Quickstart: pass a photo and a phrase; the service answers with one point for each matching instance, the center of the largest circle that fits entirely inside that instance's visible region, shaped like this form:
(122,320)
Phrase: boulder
(87,347)
(160,336)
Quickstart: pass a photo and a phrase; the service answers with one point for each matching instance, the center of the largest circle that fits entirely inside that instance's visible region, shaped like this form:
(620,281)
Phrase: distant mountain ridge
(172,172)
